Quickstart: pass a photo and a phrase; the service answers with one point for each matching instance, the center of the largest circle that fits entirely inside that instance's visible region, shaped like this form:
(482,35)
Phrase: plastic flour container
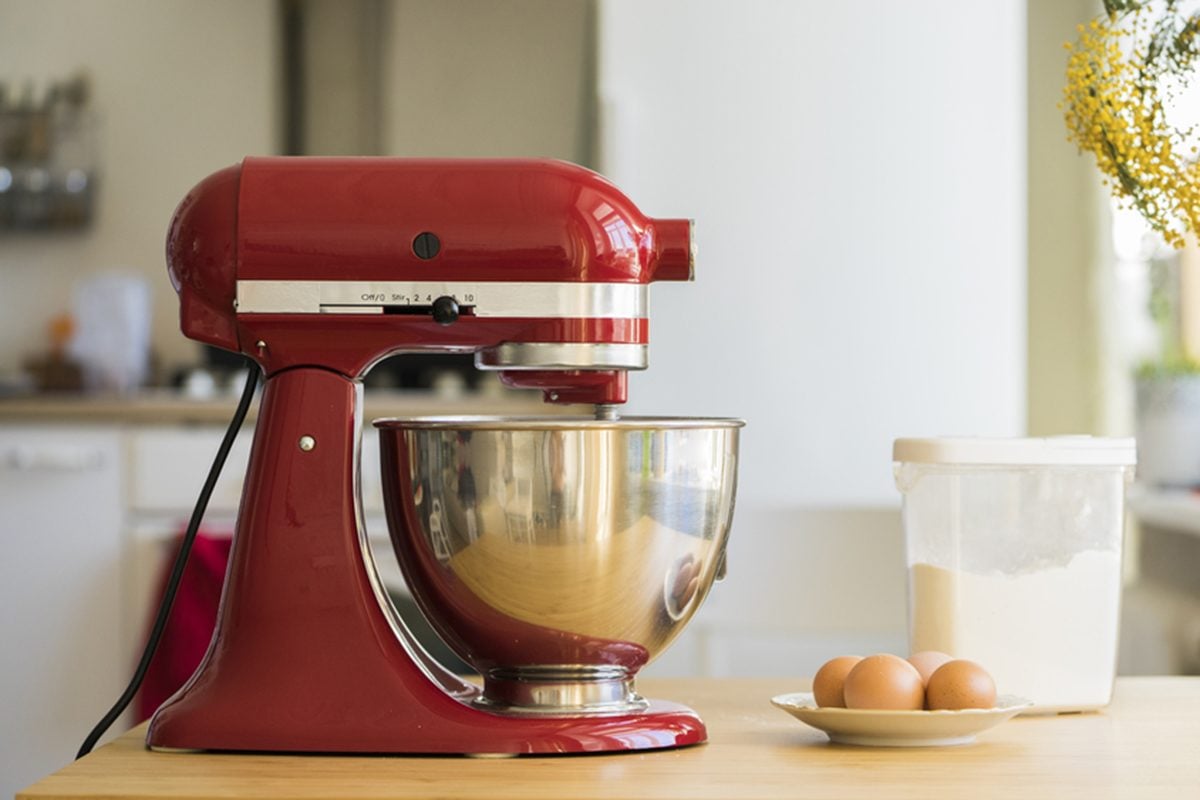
(1014,559)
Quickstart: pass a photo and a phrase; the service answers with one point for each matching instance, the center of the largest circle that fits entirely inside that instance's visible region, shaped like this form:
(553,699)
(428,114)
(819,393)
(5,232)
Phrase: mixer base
(663,725)
(305,657)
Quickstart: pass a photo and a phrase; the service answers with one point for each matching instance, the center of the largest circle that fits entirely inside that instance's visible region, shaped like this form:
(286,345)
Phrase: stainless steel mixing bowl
(559,555)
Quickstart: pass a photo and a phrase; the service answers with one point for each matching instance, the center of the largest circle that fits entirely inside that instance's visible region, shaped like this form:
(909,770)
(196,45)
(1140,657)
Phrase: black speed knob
(445,310)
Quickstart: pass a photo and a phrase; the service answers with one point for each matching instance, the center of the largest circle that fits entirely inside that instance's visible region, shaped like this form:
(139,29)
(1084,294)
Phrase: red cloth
(191,623)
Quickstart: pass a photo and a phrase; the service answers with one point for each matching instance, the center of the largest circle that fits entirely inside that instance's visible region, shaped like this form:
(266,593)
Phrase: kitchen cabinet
(1160,620)
(62,656)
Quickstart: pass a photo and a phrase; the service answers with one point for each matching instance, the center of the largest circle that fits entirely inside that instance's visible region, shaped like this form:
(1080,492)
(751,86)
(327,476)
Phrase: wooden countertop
(165,407)
(1146,745)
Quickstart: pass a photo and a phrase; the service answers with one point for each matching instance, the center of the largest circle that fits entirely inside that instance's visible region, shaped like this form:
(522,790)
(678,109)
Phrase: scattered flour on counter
(1049,636)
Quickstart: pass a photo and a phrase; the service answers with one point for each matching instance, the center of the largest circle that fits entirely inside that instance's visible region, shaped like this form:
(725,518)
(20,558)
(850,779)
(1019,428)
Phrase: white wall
(472,78)
(857,174)
(182,89)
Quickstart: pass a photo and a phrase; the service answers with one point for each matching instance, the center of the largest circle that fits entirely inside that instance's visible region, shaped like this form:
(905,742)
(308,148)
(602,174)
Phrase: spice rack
(47,157)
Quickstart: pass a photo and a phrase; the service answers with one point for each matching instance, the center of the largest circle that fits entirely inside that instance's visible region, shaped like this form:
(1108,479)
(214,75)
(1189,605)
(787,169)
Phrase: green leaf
(1173,366)
(1121,6)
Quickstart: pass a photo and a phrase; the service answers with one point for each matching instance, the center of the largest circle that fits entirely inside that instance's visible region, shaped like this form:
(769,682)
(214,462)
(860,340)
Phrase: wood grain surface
(1146,745)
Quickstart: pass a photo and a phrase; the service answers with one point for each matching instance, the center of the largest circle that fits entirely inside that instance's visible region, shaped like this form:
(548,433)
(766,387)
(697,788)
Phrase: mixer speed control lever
(445,310)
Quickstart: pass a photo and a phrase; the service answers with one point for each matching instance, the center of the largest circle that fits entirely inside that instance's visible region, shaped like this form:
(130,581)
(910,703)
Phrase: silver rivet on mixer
(260,344)
(307,443)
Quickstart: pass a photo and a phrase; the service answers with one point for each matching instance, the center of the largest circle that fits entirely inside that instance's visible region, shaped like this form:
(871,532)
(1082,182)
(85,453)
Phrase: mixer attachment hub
(606,412)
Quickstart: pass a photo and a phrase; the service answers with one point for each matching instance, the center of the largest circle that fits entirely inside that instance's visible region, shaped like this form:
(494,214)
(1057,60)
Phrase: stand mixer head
(540,268)
(520,539)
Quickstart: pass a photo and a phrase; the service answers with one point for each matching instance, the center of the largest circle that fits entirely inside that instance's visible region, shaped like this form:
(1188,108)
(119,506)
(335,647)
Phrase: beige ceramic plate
(899,728)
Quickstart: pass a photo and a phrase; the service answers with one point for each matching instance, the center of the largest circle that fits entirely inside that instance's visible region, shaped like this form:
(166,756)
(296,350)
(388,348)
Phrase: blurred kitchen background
(895,239)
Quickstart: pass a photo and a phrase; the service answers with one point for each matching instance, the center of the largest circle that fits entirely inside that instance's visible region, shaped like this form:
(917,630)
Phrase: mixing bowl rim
(480,422)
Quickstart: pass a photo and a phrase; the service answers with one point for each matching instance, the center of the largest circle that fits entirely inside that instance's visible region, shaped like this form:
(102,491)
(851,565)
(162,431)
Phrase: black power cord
(185,549)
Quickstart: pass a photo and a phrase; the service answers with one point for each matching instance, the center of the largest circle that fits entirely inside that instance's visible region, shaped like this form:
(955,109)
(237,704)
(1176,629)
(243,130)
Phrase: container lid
(1062,450)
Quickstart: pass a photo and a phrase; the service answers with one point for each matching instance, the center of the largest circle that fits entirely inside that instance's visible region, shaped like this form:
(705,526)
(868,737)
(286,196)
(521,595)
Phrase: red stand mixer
(555,554)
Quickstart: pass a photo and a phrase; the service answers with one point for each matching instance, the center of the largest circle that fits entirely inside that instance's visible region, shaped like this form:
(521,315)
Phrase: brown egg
(927,662)
(827,684)
(884,682)
(960,684)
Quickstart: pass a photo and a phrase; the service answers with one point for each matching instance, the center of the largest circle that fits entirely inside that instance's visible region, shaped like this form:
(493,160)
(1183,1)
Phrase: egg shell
(829,680)
(927,662)
(684,576)
(884,682)
(960,684)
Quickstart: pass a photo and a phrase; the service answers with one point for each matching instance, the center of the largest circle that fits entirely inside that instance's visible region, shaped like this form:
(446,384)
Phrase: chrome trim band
(485,298)
(562,355)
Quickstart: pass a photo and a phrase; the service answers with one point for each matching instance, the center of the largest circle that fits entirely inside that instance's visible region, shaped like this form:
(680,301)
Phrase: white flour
(1049,636)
